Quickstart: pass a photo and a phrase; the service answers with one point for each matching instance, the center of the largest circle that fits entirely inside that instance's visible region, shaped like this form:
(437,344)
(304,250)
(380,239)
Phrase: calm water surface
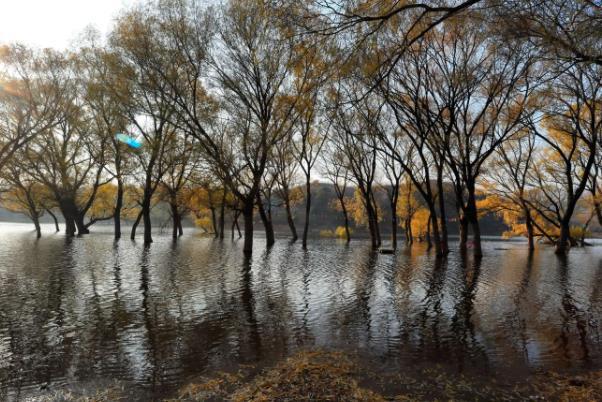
(89,309)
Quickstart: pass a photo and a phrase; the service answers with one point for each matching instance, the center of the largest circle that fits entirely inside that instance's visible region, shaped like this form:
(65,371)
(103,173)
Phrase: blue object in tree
(130,141)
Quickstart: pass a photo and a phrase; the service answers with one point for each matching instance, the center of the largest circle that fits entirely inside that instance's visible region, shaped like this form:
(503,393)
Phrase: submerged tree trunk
(290,220)
(235,224)
(267,223)
(530,234)
(442,212)
(56,222)
(408,231)
(429,242)
(248,218)
(562,244)
(435,228)
(117,210)
(307,210)
(36,222)
(81,225)
(68,211)
(372,225)
(222,216)
(146,219)
(463,223)
(473,218)
(214,222)
(135,225)
(175,216)
(394,225)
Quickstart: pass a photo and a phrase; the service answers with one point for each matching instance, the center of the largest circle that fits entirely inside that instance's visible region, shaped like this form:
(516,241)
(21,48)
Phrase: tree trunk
(530,236)
(135,225)
(394,225)
(267,223)
(56,222)
(408,231)
(442,212)
(289,218)
(81,225)
(146,219)
(428,233)
(248,218)
(235,223)
(371,224)
(476,233)
(562,244)
(598,209)
(175,216)
(307,210)
(376,224)
(117,211)
(36,223)
(222,217)
(69,215)
(214,222)
(463,231)
(473,218)
(435,227)
(346,220)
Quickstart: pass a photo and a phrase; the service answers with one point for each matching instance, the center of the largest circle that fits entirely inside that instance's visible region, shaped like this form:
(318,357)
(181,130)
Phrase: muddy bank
(334,376)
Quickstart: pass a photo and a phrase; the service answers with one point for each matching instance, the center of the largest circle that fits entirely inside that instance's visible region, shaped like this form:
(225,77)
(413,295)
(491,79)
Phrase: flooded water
(89,309)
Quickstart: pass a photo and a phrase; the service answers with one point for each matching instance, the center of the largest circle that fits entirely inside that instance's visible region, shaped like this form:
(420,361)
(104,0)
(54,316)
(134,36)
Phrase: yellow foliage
(341,233)
(104,202)
(327,233)
(420,222)
(357,209)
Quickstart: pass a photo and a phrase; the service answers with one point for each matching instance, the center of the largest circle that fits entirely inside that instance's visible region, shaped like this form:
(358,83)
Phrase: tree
(570,127)
(182,161)
(25,195)
(146,99)
(32,88)
(564,30)
(99,78)
(507,188)
(354,136)
(335,169)
(285,174)
(311,134)
(69,157)
(407,206)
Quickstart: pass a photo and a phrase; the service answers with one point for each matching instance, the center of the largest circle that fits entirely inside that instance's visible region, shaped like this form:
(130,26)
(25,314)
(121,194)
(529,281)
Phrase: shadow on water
(91,309)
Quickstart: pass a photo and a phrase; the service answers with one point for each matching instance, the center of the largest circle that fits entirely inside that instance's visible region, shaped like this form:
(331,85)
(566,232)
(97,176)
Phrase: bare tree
(570,127)
(32,88)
